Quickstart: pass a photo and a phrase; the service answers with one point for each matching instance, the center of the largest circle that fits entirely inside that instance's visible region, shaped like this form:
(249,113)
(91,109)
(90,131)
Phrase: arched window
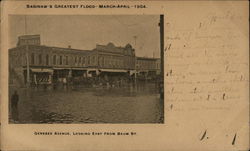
(83,60)
(47,59)
(88,59)
(66,60)
(32,58)
(80,60)
(60,61)
(54,59)
(40,59)
(75,60)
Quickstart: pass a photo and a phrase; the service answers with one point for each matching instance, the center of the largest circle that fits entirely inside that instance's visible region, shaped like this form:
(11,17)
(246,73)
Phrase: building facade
(47,64)
(112,57)
(147,67)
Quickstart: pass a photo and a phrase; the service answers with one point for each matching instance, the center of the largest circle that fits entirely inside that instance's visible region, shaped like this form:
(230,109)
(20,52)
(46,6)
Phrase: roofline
(30,35)
(120,47)
(68,49)
(147,58)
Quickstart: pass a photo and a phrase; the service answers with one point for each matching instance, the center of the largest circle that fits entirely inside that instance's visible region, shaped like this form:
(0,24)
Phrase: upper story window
(60,60)
(40,59)
(88,59)
(80,60)
(54,59)
(75,60)
(47,59)
(103,61)
(83,60)
(32,58)
(66,60)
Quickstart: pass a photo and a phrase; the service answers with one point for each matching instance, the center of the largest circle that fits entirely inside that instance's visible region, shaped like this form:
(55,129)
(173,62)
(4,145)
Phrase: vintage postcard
(124,75)
(102,76)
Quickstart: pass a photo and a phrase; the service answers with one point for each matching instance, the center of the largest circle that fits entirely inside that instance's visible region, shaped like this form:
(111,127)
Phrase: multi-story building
(147,67)
(112,57)
(47,64)
(28,40)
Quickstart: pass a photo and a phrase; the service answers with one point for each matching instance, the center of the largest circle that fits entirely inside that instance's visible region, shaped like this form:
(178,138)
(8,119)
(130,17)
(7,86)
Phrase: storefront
(60,74)
(92,73)
(79,72)
(41,76)
(113,74)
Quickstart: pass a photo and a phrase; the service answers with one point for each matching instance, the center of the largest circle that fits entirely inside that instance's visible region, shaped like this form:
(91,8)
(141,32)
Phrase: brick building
(112,57)
(28,40)
(147,67)
(49,64)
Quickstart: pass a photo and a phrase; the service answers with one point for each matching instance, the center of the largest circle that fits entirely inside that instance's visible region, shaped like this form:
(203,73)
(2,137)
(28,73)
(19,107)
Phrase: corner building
(47,65)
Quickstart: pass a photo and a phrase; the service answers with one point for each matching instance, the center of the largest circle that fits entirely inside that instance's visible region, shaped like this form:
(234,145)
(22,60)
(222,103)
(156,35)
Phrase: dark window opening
(47,59)
(75,59)
(32,58)
(54,59)
(67,61)
(60,61)
(83,60)
(40,58)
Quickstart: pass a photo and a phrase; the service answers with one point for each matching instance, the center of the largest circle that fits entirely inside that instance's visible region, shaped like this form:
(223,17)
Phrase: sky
(85,31)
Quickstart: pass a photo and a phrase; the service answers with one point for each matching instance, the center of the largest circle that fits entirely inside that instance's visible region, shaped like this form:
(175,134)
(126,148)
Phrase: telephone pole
(161,24)
(27,56)
(135,37)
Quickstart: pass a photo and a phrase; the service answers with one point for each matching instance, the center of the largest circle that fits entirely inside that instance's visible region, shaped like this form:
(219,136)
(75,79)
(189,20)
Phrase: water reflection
(138,103)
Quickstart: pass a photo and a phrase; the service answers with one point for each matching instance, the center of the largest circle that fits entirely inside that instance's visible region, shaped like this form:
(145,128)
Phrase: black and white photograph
(79,69)
(124,75)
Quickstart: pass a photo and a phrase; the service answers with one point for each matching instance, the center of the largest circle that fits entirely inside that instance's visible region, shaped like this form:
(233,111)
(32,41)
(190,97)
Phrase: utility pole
(162,43)
(135,37)
(27,56)
(161,24)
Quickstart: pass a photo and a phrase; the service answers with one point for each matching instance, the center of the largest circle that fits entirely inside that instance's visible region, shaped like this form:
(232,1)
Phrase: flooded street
(130,104)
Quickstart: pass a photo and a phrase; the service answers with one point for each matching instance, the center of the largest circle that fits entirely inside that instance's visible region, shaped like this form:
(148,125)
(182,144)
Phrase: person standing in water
(14,105)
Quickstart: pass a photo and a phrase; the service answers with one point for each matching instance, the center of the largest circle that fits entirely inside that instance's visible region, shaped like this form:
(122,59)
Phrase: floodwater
(139,103)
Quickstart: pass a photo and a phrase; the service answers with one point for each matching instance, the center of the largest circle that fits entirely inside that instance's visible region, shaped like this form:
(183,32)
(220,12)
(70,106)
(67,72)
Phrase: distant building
(48,64)
(147,67)
(28,40)
(112,57)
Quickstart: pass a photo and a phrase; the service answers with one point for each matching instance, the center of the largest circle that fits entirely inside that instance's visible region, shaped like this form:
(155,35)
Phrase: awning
(79,69)
(113,70)
(91,69)
(41,70)
(61,68)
